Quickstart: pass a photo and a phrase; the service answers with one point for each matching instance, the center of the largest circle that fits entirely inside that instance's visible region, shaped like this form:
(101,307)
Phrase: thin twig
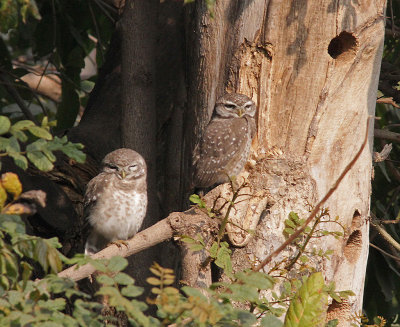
(302,248)
(96,28)
(384,252)
(387,135)
(317,207)
(386,236)
(20,102)
(392,17)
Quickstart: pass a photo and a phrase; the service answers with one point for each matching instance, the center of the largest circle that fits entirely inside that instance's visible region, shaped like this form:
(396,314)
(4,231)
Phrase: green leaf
(54,260)
(49,155)
(294,217)
(194,198)
(56,305)
(38,145)
(22,124)
(108,290)
(256,279)
(40,132)
(271,321)
(117,263)
(190,291)
(153,281)
(346,294)
(304,259)
(20,135)
(196,247)
(123,279)
(13,145)
(5,124)
(243,292)
(106,280)
(246,318)
(188,239)
(4,143)
(155,271)
(288,231)
(309,305)
(223,259)
(132,291)
(40,254)
(13,224)
(58,285)
(39,160)
(26,272)
(213,250)
(335,296)
(73,150)
(332,323)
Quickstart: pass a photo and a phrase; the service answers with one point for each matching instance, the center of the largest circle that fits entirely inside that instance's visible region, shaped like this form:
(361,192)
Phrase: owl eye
(111,166)
(230,106)
(133,167)
(247,107)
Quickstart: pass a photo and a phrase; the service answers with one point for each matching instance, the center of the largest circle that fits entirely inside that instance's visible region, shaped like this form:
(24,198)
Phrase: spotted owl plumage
(116,199)
(225,144)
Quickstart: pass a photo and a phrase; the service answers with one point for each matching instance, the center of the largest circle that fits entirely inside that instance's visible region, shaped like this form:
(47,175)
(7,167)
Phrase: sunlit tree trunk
(312,67)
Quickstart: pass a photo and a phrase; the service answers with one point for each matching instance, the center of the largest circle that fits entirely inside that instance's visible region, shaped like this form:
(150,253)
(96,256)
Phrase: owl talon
(119,243)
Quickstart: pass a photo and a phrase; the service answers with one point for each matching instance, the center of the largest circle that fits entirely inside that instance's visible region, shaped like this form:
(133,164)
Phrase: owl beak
(122,173)
(241,112)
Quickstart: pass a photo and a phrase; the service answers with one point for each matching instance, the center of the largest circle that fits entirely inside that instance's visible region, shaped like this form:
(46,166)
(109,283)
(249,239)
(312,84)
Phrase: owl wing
(223,141)
(93,190)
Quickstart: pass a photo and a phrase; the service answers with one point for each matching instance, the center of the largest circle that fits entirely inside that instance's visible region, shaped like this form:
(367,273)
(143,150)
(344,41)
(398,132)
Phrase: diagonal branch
(20,102)
(176,224)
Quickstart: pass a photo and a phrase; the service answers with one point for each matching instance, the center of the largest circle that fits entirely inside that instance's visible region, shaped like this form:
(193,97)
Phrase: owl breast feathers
(116,199)
(225,145)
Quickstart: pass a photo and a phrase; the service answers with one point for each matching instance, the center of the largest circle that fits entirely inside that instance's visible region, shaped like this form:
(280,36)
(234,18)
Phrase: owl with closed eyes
(116,199)
(225,144)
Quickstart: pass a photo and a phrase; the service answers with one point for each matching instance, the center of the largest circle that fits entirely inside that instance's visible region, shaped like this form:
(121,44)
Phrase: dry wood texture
(312,67)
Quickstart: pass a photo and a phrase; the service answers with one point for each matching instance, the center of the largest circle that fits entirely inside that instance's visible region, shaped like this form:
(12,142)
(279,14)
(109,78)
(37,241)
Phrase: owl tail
(95,243)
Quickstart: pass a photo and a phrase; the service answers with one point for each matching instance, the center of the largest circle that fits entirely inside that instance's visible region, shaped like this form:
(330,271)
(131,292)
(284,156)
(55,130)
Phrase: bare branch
(20,102)
(386,236)
(176,224)
(384,154)
(387,135)
(384,252)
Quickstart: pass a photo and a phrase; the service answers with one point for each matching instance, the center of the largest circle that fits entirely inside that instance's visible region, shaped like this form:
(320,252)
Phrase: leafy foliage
(39,151)
(238,302)
(45,37)
(308,297)
(308,307)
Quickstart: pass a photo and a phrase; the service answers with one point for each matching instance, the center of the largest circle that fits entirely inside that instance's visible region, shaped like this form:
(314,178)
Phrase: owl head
(125,163)
(233,105)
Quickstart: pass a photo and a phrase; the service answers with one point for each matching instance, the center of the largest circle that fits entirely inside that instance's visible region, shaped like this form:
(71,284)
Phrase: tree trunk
(312,68)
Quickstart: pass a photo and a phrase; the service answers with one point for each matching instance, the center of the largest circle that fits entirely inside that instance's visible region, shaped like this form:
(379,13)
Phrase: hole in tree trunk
(353,246)
(343,46)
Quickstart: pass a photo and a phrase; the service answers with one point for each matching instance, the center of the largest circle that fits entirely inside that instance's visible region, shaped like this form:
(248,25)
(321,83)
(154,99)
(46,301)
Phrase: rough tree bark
(312,68)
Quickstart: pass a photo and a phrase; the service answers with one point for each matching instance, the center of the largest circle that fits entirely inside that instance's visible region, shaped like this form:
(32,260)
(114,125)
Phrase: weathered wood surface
(313,68)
